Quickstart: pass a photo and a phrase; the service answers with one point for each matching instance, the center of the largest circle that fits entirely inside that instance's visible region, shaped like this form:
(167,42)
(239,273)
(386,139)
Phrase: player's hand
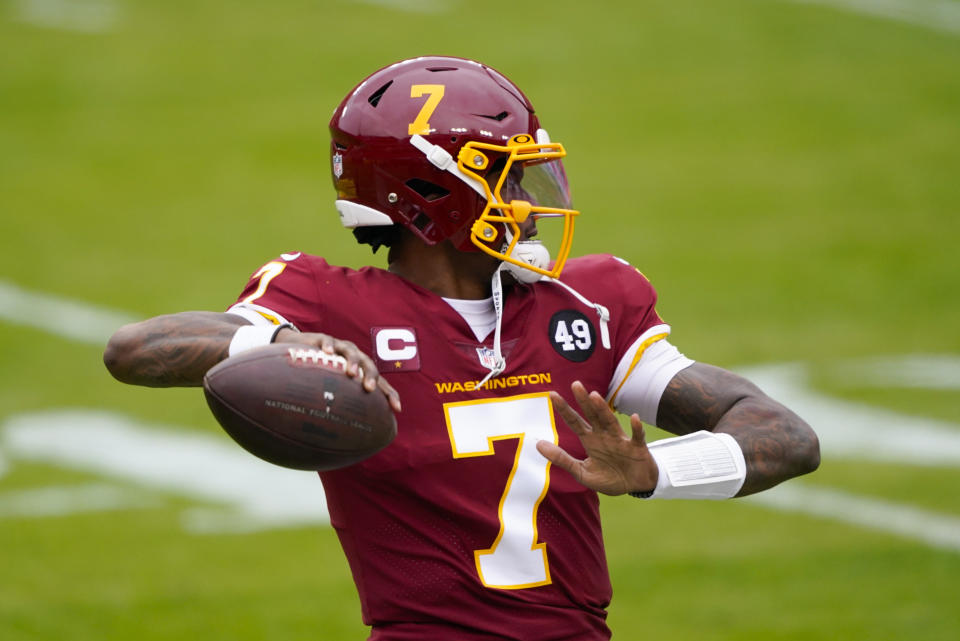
(359,366)
(615,463)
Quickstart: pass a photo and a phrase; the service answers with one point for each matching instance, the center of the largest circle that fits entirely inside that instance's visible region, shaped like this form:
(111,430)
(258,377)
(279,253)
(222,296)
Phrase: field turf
(786,173)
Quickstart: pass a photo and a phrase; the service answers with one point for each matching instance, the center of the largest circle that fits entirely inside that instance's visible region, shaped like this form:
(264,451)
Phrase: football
(295,406)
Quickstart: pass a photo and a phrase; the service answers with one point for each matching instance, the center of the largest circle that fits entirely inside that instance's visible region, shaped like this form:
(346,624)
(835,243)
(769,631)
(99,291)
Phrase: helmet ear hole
(377,237)
(427,190)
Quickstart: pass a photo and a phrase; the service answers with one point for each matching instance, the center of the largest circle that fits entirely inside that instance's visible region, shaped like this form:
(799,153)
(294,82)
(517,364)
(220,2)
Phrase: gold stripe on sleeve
(636,359)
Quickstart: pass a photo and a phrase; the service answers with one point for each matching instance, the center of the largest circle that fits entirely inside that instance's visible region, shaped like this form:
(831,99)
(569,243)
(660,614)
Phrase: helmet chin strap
(442,159)
(602,311)
(499,362)
(534,253)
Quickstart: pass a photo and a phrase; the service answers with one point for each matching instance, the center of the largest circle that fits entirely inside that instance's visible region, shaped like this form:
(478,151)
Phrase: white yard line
(923,371)
(940,15)
(253,494)
(854,431)
(413,6)
(81,16)
(938,530)
(71,319)
(72,499)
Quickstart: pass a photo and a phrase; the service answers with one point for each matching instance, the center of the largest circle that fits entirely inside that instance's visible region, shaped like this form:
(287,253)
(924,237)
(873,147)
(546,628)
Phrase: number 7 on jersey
(516,559)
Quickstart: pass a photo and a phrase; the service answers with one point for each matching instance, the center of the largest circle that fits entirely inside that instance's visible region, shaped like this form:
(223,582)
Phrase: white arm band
(644,372)
(702,465)
(250,336)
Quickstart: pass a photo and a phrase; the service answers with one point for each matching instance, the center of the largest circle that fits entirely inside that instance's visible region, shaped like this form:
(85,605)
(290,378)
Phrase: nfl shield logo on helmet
(338,164)
(488,358)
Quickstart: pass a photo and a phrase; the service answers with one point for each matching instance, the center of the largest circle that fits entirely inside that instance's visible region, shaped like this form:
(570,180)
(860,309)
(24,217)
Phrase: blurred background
(786,173)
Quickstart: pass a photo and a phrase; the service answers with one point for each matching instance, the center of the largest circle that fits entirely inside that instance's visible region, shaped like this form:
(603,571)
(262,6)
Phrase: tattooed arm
(777,444)
(176,350)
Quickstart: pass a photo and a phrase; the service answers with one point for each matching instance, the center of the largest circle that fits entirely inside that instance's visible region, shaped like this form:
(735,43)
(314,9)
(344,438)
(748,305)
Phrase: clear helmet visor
(542,183)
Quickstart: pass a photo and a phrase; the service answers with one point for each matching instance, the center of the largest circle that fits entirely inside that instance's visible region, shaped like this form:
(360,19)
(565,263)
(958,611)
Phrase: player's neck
(442,269)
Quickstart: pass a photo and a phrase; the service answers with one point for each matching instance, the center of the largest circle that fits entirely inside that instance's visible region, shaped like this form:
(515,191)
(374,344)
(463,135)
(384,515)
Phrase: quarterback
(503,363)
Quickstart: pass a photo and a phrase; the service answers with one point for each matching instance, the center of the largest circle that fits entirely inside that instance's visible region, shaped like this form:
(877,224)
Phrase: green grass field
(786,173)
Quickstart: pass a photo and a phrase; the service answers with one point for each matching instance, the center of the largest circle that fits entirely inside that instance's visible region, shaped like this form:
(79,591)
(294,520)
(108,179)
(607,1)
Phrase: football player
(480,521)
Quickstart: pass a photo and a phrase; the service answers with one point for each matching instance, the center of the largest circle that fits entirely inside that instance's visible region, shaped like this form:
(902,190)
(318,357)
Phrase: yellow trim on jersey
(636,359)
(272,319)
(266,273)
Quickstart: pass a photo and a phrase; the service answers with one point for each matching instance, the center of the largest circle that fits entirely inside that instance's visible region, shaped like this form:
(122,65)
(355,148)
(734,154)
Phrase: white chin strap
(602,311)
(499,362)
(532,252)
(442,159)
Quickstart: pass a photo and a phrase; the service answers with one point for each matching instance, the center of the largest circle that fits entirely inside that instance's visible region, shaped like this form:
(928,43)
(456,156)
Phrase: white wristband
(251,336)
(702,465)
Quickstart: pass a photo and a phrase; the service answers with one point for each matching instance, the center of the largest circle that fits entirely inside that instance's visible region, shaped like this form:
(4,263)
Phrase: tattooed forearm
(777,444)
(173,350)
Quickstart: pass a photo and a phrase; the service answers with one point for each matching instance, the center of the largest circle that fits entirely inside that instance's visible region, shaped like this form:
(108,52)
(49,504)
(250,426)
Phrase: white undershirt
(479,314)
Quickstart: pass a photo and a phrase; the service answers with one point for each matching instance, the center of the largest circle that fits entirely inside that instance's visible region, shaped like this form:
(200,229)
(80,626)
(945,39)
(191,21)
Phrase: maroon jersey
(460,529)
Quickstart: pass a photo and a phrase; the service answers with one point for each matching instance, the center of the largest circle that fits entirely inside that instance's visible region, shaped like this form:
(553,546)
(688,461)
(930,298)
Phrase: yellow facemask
(531,183)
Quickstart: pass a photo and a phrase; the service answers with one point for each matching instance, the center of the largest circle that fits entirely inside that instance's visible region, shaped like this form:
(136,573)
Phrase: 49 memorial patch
(572,335)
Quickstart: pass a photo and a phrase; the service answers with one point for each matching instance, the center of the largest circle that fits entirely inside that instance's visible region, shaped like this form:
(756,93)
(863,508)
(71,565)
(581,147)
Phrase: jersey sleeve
(647,361)
(283,291)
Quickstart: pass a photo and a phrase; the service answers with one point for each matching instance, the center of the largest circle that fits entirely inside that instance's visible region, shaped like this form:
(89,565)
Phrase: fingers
(359,366)
(362,368)
(573,420)
(559,457)
(639,436)
(596,410)
(392,397)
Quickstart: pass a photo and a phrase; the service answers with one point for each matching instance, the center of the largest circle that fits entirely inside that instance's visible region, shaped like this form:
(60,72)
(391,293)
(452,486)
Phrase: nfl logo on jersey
(488,358)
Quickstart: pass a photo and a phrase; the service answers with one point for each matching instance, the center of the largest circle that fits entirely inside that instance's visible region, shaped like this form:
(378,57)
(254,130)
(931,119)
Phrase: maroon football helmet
(450,149)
